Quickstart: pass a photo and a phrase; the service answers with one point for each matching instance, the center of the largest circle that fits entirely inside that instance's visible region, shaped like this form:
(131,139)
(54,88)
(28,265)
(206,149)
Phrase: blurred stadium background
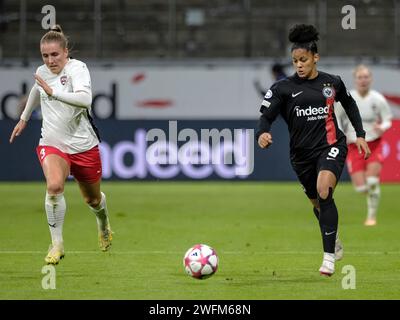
(202,64)
(176,29)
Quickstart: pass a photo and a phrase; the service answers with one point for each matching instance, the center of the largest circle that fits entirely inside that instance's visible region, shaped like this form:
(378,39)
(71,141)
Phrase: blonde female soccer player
(69,140)
(377,118)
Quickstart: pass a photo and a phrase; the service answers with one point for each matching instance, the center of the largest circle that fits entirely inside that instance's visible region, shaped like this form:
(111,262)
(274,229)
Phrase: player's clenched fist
(265,140)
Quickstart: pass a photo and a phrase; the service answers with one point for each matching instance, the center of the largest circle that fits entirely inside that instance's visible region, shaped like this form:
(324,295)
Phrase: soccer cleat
(55,254)
(370,222)
(328,265)
(105,238)
(338,250)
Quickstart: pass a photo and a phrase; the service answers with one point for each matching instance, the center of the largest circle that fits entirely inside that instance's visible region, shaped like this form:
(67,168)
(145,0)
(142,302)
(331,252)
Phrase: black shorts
(332,158)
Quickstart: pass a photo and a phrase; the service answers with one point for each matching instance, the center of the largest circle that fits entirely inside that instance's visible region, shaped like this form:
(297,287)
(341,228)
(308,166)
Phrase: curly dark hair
(304,36)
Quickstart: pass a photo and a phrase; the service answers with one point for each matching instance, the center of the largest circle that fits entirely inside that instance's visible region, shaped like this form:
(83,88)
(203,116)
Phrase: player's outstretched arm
(362,146)
(33,101)
(265,140)
(21,125)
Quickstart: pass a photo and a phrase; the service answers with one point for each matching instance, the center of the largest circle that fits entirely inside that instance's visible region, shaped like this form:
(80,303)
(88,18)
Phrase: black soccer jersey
(307,106)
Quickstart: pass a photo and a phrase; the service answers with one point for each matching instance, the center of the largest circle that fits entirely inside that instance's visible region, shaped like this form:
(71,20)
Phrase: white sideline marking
(222,252)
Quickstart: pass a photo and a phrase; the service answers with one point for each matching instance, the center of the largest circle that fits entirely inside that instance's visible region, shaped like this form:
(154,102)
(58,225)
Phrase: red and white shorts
(84,166)
(356,162)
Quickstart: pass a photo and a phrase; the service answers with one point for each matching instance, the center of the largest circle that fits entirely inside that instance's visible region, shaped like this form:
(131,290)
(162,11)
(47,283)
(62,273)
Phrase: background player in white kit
(376,117)
(69,140)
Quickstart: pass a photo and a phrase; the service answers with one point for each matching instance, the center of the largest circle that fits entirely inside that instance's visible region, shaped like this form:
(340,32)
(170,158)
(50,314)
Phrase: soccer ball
(200,261)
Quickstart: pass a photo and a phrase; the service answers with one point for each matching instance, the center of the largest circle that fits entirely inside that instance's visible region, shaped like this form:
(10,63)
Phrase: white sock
(329,257)
(373,196)
(361,189)
(329,261)
(328,264)
(101,213)
(55,211)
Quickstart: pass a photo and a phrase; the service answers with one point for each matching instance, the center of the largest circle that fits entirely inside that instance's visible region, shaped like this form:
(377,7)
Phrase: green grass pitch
(266,236)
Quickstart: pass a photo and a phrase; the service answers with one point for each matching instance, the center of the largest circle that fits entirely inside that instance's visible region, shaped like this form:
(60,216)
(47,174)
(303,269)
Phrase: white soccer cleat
(338,250)
(328,265)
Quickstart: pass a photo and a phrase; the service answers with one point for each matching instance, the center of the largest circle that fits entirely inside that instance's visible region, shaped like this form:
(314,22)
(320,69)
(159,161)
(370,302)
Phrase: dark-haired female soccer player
(317,147)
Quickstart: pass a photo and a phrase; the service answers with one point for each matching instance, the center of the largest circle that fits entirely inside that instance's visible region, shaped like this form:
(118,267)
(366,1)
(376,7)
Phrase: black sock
(328,222)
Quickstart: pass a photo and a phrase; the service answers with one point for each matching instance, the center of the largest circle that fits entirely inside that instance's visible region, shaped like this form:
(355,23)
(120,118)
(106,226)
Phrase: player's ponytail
(305,37)
(55,34)
(56,28)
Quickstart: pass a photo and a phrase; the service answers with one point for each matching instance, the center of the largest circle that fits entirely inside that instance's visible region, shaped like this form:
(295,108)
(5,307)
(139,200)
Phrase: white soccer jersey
(65,126)
(373,109)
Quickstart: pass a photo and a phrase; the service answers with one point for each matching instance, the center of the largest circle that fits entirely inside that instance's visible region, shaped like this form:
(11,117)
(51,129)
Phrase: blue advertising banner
(164,150)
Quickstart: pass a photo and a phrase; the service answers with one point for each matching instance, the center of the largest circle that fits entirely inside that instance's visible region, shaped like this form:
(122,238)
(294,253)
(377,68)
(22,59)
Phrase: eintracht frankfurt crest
(328,91)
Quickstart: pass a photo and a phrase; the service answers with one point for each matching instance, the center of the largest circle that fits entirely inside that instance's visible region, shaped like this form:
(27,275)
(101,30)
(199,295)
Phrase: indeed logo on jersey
(312,113)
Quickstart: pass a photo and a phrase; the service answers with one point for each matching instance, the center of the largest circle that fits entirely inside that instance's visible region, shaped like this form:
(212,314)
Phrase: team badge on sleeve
(268,94)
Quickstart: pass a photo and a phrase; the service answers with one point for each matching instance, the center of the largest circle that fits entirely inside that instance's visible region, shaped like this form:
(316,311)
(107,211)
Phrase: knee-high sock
(328,222)
(316,213)
(55,210)
(373,196)
(101,213)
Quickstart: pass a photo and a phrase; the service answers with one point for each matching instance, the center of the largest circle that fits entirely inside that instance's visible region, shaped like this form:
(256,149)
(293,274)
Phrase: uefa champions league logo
(268,94)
